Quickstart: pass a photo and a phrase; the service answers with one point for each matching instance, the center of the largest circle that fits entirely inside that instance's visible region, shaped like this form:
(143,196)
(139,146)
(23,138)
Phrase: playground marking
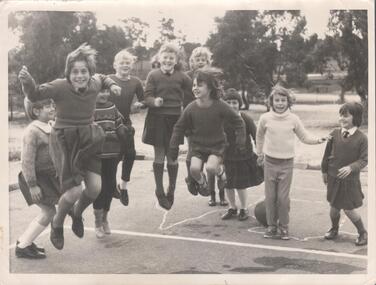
(239,244)
(221,242)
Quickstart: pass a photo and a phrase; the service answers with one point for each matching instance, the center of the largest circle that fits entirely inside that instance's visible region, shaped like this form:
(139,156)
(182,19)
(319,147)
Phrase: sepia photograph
(213,142)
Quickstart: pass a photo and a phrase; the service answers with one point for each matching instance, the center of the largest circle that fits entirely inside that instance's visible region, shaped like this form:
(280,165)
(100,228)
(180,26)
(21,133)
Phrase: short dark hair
(355,109)
(233,94)
(38,105)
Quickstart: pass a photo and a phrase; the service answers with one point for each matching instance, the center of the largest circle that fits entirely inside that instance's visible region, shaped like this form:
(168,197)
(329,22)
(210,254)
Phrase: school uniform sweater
(72,108)
(351,151)
(110,120)
(175,89)
(129,88)
(205,126)
(275,135)
(231,152)
(35,156)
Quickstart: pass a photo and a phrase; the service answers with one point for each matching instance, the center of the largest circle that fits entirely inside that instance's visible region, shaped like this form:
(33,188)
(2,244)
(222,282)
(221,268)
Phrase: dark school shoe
(212,203)
(203,188)
(35,246)
(231,213)
(362,239)
(77,224)
(243,215)
(57,237)
(331,234)
(162,200)
(192,186)
(29,252)
(124,199)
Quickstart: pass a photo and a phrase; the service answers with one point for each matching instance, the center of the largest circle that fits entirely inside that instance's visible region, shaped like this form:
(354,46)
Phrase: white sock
(32,232)
(201,181)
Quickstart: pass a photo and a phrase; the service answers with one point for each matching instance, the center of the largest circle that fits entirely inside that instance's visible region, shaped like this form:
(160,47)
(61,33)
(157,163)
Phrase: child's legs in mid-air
(37,226)
(128,161)
(196,169)
(93,184)
(65,203)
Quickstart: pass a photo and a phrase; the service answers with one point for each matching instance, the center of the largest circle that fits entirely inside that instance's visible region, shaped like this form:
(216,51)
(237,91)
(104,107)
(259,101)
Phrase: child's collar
(45,127)
(167,72)
(284,114)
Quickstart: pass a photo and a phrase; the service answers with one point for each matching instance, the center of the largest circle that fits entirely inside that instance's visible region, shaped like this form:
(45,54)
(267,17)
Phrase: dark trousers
(128,159)
(108,175)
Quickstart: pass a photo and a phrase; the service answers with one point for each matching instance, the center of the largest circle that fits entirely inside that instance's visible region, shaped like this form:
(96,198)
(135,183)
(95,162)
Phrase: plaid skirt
(158,129)
(242,174)
(74,151)
(344,193)
(47,182)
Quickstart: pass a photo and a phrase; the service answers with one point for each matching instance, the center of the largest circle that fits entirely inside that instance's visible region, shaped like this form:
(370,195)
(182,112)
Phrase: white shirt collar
(45,127)
(167,72)
(351,131)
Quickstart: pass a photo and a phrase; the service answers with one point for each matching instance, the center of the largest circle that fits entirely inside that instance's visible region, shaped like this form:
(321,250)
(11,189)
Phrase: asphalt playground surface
(192,239)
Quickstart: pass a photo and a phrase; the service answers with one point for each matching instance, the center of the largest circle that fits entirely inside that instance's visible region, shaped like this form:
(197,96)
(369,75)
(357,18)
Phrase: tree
(242,48)
(349,32)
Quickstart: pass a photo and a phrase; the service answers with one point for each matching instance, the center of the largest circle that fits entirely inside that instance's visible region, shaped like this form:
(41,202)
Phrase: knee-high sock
(172,170)
(335,216)
(158,175)
(30,234)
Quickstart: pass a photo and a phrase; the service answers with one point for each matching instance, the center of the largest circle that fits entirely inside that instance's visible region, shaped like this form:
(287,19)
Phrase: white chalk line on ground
(240,244)
(229,243)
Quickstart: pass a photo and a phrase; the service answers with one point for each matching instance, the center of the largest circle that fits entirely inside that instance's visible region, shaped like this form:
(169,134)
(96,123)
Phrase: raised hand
(115,90)
(24,75)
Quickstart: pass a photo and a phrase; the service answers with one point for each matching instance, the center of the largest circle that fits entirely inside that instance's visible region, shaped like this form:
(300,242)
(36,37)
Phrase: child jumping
(204,120)
(239,167)
(130,86)
(38,182)
(167,88)
(200,58)
(275,143)
(345,155)
(109,118)
(75,140)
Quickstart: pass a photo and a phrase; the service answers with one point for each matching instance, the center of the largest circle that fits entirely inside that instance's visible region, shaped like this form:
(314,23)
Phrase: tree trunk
(365,110)
(342,95)
(245,100)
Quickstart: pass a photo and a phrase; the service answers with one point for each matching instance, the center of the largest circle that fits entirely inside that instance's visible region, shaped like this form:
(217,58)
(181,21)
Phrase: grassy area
(318,119)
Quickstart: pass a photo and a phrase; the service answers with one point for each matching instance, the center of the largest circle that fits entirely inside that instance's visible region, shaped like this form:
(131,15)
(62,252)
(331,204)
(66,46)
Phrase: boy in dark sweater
(130,86)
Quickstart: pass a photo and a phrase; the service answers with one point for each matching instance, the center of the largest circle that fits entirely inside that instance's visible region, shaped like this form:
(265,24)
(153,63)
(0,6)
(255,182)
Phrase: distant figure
(345,155)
